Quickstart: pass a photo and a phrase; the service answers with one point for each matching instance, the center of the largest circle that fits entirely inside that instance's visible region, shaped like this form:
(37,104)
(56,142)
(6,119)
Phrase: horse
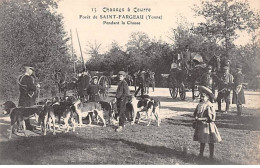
(63,85)
(215,62)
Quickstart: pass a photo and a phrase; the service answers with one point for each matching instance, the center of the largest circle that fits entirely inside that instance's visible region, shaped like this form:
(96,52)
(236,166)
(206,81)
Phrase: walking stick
(84,66)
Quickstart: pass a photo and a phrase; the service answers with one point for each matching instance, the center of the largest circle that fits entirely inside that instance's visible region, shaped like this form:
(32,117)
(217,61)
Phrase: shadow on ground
(168,152)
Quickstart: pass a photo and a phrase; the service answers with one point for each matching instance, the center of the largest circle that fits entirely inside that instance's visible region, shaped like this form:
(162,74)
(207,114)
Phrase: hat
(209,67)
(207,91)
(121,73)
(94,77)
(239,66)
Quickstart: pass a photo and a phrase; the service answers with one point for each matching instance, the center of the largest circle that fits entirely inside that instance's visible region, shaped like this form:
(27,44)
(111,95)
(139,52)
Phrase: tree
(224,18)
(184,35)
(30,32)
(136,48)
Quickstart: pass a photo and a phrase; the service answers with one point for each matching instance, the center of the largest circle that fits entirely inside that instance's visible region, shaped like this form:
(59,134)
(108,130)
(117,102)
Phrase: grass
(171,143)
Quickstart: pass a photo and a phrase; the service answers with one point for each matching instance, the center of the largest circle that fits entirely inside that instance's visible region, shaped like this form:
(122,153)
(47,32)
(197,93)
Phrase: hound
(19,114)
(149,105)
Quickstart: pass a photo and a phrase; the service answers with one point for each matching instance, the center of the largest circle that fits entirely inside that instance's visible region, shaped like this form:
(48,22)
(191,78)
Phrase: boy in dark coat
(238,91)
(121,96)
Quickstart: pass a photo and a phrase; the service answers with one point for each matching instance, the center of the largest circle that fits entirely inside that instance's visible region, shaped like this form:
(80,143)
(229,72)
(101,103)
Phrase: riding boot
(239,109)
(202,147)
(219,106)
(211,150)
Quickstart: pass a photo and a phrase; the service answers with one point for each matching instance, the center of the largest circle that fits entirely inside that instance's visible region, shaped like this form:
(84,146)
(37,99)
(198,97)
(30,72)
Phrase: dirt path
(169,108)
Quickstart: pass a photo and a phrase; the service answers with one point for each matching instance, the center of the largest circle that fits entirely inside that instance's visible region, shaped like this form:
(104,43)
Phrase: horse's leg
(193,88)
(148,83)
(153,85)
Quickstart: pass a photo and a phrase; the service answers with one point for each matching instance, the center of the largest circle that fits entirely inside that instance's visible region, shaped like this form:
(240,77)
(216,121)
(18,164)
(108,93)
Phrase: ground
(171,143)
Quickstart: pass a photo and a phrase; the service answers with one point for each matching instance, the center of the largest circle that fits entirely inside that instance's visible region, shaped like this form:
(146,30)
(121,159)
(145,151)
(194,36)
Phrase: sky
(78,15)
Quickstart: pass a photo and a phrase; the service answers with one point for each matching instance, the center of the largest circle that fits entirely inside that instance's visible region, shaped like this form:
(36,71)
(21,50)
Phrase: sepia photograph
(129,82)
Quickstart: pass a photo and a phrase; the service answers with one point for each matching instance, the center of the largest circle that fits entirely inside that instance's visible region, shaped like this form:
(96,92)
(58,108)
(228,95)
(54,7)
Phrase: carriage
(104,82)
(185,78)
(64,85)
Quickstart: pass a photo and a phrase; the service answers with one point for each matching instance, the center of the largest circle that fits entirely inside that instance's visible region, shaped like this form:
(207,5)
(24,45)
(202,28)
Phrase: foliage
(185,35)
(223,19)
(141,51)
(30,32)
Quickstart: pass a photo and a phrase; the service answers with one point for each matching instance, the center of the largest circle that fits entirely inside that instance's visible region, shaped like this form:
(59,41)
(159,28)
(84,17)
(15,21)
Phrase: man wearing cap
(207,78)
(238,91)
(83,83)
(224,87)
(27,89)
(93,90)
(121,94)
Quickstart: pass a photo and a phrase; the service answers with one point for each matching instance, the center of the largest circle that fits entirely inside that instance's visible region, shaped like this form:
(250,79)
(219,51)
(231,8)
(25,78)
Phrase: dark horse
(215,62)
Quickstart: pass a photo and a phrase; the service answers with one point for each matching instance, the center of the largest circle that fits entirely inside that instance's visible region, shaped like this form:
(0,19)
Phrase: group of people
(205,114)
(88,88)
(143,79)
(225,82)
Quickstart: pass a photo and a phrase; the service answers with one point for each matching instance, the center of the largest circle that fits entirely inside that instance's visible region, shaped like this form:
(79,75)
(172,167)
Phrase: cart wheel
(104,82)
(174,92)
(182,91)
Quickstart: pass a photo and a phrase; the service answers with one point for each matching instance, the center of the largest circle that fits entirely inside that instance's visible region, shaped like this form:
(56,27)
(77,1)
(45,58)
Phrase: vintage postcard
(129,82)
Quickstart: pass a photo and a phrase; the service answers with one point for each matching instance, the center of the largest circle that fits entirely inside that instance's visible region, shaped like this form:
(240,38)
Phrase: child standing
(205,128)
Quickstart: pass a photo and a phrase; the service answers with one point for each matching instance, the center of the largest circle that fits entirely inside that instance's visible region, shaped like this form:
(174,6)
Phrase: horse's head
(215,62)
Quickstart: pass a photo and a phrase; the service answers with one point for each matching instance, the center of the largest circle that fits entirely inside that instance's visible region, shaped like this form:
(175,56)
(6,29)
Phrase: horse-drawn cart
(66,84)
(184,77)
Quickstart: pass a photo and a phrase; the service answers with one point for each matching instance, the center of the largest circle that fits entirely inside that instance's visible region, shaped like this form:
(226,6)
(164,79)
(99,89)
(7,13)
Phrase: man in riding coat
(225,83)
(207,78)
(28,92)
(238,91)
(83,83)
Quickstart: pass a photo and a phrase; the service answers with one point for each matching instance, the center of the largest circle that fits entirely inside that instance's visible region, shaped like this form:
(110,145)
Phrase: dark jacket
(122,90)
(140,78)
(93,91)
(83,83)
(27,91)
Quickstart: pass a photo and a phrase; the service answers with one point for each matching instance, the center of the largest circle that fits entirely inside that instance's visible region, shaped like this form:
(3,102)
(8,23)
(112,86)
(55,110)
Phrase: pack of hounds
(73,111)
